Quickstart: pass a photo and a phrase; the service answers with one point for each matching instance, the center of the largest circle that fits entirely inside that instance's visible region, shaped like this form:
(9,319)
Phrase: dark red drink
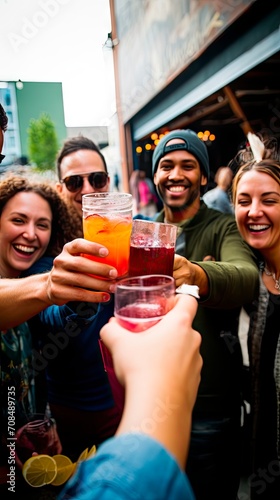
(151,260)
(39,435)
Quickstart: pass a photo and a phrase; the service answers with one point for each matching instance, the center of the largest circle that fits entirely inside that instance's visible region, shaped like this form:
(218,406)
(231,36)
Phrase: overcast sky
(61,41)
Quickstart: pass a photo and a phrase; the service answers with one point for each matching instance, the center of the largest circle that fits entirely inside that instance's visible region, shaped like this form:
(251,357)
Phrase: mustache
(177,183)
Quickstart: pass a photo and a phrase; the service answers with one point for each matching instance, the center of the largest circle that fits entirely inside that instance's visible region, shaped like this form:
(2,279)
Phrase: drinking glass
(140,302)
(39,435)
(152,247)
(107,219)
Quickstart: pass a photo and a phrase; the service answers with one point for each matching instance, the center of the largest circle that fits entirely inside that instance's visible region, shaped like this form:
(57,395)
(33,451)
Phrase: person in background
(256,198)
(147,204)
(133,187)
(181,173)
(116,181)
(34,221)
(147,437)
(3,128)
(81,169)
(218,197)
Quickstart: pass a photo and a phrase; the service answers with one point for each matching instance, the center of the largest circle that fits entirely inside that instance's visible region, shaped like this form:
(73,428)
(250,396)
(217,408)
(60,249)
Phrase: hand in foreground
(160,350)
(160,369)
(69,278)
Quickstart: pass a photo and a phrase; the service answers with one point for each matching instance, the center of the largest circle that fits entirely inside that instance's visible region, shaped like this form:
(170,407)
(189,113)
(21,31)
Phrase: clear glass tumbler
(39,435)
(140,302)
(152,247)
(107,219)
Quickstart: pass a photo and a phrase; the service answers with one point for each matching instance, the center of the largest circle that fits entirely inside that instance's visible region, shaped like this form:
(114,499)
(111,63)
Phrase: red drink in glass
(39,435)
(151,260)
(152,247)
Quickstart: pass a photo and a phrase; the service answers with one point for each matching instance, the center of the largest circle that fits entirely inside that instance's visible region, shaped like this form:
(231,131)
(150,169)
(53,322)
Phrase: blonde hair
(269,167)
(258,147)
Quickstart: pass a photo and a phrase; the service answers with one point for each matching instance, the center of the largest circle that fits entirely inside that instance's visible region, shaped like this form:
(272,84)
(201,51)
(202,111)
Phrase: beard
(186,204)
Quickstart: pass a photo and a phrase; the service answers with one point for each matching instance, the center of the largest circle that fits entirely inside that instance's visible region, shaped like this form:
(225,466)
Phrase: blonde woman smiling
(256,198)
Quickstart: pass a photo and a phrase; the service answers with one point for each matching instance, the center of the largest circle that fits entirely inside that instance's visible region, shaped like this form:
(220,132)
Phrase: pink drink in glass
(139,317)
(140,302)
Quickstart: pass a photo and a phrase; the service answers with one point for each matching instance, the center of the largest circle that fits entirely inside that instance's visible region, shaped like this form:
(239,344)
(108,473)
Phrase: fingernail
(112,288)
(113,273)
(106,297)
(103,252)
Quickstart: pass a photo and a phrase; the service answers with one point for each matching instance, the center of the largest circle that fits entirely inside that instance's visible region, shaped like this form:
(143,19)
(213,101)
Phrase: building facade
(207,65)
(24,102)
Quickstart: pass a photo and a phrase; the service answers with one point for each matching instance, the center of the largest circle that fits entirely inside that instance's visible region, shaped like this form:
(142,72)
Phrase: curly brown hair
(66,224)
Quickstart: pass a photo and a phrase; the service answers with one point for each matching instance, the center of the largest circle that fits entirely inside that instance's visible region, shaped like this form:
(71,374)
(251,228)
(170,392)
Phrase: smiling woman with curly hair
(65,225)
(35,223)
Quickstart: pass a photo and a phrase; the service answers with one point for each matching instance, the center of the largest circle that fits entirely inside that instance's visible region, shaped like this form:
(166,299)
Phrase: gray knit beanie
(192,144)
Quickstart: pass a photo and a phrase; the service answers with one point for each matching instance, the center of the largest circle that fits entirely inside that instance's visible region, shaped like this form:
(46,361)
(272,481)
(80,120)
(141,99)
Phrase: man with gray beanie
(210,254)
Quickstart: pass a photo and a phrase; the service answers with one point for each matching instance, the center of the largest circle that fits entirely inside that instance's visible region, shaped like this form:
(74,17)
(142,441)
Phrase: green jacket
(233,281)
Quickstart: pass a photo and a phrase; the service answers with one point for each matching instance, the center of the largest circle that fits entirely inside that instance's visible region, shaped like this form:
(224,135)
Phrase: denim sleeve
(131,466)
(84,314)
(42,265)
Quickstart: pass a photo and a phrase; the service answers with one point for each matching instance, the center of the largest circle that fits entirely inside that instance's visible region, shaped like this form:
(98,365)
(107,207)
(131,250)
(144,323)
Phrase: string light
(206,136)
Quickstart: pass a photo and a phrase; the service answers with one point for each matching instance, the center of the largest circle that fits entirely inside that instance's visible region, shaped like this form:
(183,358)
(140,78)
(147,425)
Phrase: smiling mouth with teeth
(24,249)
(258,227)
(176,189)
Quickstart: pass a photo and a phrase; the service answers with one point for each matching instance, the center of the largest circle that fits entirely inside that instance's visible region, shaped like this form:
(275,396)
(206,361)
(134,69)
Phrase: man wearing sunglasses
(81,169)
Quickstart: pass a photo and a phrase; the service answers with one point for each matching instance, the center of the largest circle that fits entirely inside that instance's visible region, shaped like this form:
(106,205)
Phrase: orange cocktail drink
(114,234)
(107,220)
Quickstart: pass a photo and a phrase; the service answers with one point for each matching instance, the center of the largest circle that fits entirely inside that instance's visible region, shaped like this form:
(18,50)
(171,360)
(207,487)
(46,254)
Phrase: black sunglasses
(97,180)
(2,158)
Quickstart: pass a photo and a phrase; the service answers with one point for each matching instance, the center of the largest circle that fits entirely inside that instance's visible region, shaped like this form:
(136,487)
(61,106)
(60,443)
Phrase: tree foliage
(42,143)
